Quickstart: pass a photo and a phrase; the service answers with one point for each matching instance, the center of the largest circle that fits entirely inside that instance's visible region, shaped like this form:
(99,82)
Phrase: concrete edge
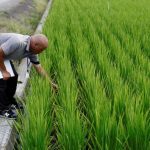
(43,19)
(23,70)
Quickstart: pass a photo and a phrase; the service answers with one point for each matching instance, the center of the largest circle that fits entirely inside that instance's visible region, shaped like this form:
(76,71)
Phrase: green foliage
(99,56)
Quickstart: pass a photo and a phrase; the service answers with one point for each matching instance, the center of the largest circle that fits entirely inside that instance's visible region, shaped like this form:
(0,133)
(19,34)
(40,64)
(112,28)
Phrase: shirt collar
(28,43)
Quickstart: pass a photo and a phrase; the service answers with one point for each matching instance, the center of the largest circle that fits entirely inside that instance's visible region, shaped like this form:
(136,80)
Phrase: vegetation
(99,56)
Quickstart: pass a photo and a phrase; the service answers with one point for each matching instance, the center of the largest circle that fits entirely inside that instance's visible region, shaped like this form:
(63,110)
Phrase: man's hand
(6,75)
(42,71)
(55,87)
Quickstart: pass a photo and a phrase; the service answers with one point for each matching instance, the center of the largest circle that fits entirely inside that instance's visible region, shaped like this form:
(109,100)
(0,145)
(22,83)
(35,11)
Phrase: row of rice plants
(131,45)
(93,93)
(103,97)
(35,125)
(71,24)
(135,21)
(129,72)
(113,78)
(91,104)
(69,130)
(140,105)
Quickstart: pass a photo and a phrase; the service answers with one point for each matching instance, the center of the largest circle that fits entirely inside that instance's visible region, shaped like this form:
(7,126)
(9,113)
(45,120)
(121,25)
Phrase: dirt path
(23,8)
(16,8)
(6,5)
(20,15)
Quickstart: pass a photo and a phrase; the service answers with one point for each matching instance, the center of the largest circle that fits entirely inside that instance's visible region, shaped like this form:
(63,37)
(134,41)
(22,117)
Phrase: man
(15,47)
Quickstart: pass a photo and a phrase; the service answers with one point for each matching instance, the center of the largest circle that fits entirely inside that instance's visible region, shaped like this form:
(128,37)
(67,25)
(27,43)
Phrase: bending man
(15,47)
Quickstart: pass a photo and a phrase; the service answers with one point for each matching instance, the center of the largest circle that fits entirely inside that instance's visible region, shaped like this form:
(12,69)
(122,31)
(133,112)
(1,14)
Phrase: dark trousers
(7,91)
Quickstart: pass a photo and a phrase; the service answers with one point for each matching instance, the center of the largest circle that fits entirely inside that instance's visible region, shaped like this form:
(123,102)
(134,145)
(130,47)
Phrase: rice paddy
(99,56)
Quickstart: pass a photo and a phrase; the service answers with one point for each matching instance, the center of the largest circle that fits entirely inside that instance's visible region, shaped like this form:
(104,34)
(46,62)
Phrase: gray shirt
(16,47)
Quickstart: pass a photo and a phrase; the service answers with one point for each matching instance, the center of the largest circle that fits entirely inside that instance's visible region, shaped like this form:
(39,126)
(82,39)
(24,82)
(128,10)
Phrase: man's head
(38,43)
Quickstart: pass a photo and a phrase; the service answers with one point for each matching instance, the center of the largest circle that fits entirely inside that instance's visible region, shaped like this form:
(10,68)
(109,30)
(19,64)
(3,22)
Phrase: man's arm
(42,72)
(5,73)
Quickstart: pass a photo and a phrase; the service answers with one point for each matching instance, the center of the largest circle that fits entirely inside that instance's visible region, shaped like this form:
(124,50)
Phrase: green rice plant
(75,33)
(112,80)
(126,71)
(103,65)
(99,57)
(70,130)
(90,86)
(35,124)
